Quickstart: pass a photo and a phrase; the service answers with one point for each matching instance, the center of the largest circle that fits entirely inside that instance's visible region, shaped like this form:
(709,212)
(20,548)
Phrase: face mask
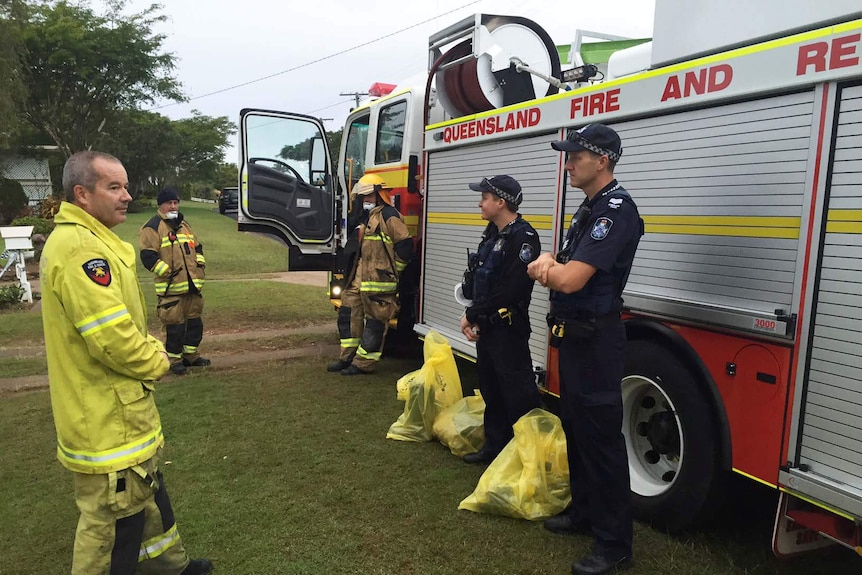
(368,206)
(172,215)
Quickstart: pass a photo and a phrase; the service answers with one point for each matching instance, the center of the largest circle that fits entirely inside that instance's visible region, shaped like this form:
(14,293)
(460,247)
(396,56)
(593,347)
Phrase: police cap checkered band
(596,138)
(505,187)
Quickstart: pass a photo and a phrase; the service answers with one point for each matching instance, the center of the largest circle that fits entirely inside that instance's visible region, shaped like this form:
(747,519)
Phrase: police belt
(502,316)
(579,326)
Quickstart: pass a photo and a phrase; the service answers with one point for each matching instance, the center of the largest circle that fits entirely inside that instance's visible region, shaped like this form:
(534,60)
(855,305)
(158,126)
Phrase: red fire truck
(743,151)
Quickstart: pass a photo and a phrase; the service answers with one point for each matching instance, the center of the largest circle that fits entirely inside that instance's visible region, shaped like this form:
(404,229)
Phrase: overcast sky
(223,43)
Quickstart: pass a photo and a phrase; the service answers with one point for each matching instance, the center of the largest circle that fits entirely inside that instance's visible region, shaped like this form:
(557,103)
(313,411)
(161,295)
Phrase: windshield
(354,150)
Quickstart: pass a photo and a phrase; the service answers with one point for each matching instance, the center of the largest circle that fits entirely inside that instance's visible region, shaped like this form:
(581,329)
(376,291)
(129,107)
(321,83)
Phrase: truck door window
(390,133)
(354,151)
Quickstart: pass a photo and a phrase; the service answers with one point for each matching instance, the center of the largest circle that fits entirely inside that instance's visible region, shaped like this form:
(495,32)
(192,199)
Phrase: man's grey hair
(79,171)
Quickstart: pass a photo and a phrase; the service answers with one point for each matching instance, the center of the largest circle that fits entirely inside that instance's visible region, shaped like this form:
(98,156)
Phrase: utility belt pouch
(557,330)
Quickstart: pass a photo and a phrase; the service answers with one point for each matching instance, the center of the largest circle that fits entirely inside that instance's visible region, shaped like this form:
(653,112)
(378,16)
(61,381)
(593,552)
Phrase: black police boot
(481,456)
(197,362)
(198,567)
(563,524)
(598,564)
(179,368)
(337,365)
(353,370)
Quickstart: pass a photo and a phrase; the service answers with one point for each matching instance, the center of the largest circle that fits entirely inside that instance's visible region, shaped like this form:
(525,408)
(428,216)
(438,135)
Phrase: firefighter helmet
(370,183)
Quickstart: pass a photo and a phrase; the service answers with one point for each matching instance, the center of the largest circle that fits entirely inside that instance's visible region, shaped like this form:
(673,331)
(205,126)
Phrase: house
(32,173)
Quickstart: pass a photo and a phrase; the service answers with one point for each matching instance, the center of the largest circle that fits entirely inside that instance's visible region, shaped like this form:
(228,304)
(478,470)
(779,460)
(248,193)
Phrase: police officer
(497,320)
(102,367)
(371,299)
(587,279)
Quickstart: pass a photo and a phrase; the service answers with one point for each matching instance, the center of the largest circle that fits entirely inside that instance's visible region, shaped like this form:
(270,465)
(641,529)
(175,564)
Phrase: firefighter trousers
(184,328)
(591,411)
(127,524)
(363,320)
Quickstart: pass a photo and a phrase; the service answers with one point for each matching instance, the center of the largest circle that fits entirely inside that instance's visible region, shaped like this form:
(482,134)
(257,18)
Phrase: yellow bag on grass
(427,391)
(529,479)
(461,426)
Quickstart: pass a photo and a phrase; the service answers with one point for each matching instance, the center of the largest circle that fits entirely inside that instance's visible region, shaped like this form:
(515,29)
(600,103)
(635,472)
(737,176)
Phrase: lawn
(283,469)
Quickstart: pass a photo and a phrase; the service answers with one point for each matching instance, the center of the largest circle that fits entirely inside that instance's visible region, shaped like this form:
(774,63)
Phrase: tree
(13,200)
(228,176)
(157,151)
(11,87)
(146,143)
(79,67)
(203,140)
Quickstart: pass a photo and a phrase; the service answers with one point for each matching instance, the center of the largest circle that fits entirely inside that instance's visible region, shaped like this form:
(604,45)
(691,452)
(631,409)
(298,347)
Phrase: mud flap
(789,537)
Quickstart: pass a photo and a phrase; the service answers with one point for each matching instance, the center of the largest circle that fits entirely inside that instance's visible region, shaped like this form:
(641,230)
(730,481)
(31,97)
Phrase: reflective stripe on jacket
(174,256)
(101,360)
(380,264)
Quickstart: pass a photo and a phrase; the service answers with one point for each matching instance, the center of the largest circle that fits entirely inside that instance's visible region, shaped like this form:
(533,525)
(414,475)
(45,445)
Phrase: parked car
(228,200)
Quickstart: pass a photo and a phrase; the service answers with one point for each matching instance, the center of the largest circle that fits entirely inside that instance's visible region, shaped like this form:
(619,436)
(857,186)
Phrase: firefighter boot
(178,367)
(196,361)
(353,370)
(338,365)
(198,567)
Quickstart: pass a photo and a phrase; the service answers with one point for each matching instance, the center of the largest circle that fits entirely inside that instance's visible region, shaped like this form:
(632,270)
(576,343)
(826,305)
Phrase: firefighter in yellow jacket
(173,253)
(102,364)
(371,299)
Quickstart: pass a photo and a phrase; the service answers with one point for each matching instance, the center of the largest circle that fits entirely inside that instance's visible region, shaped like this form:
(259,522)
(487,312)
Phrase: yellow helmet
(370,183)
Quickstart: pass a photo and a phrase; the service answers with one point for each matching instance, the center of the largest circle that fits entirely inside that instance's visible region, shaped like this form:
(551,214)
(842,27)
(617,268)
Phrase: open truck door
(287,186)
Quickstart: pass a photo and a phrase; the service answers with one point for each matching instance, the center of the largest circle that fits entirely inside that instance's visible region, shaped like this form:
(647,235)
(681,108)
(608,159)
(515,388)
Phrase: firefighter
(497,320)
(102,365)
(371,299)
(587,278)
(170,249)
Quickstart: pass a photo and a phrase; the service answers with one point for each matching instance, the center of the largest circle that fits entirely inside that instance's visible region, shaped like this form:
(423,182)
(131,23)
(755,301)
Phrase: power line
(345,51)
(356,95)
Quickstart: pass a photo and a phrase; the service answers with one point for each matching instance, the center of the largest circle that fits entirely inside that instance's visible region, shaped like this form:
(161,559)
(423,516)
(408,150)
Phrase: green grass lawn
(285,469)
(229,253)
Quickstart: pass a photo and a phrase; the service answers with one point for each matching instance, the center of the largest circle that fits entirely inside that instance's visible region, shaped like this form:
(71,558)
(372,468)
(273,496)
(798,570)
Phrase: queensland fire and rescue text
(493,125)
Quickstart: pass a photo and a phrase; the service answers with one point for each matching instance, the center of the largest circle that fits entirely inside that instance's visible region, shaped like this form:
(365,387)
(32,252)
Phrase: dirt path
(222,360)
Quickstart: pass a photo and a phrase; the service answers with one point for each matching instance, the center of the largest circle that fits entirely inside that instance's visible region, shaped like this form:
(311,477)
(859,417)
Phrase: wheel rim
(654,438)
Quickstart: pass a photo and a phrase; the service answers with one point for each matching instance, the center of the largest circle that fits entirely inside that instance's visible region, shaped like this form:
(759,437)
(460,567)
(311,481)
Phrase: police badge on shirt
(601,228)
(98,271)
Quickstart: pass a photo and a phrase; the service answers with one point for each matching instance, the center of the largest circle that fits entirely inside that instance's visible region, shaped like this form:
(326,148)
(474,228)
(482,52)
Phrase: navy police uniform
(501,292)
(586,326)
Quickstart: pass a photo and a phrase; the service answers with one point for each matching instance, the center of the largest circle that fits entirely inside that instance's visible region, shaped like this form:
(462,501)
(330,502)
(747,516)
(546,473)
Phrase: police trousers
(591,372)
(363,320)
(506,379)
(126,525)
(184,328)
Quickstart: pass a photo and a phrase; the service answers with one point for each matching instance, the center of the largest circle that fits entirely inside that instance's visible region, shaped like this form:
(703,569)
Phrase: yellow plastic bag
(529,479)
(427,391)
(461,426)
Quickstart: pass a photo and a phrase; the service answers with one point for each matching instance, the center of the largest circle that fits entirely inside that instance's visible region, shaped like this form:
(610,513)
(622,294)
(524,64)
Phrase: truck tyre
(671,439)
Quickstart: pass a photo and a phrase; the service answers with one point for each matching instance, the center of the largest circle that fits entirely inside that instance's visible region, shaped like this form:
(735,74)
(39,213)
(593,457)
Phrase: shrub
(12,200)
(10,295)
(40,225)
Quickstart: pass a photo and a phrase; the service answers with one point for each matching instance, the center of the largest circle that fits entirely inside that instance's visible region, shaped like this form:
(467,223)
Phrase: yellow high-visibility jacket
(101,360)
(171,250)
(385,251)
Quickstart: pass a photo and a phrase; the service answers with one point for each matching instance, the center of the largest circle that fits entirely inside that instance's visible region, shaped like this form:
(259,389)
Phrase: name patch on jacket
(98,271)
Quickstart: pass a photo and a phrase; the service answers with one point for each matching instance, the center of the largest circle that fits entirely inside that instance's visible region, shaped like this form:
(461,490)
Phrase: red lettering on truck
(698,82)
(842,52)
(493,125)
(598,103)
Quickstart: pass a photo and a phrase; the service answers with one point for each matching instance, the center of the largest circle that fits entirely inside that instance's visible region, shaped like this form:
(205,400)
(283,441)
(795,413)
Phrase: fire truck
(743,150)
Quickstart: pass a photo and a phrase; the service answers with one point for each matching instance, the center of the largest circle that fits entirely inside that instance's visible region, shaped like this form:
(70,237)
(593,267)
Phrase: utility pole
(356,96)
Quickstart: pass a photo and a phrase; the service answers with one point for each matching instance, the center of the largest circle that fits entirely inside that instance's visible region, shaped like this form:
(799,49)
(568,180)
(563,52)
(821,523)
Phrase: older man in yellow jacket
(102,364)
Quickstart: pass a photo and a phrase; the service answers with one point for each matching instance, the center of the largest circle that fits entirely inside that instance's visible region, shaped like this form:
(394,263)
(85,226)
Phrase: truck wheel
(671,439)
